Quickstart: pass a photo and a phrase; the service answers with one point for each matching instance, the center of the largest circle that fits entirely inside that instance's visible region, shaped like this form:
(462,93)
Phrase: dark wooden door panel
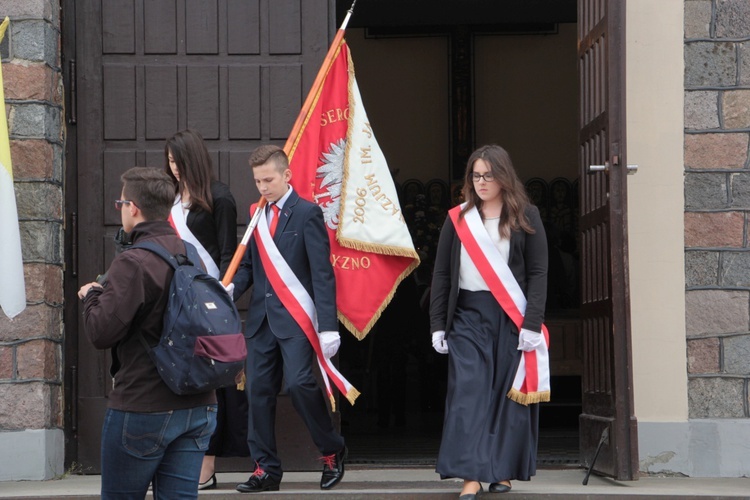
(243,91)
(243,27)
(201,26)
(236,70)
(160,27)
(118,19)
(607,420)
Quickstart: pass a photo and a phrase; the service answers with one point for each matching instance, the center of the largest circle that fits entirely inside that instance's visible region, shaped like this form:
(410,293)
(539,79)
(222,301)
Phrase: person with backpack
(205,214)
(150,433)
(289,253)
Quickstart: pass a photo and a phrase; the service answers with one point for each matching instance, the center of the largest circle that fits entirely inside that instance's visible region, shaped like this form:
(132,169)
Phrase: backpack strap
(173,260)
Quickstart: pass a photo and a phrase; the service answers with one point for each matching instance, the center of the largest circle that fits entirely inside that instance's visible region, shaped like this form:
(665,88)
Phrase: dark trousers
(268,359)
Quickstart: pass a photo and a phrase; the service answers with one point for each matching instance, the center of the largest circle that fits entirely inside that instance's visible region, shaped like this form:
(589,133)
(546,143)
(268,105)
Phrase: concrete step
(408,484)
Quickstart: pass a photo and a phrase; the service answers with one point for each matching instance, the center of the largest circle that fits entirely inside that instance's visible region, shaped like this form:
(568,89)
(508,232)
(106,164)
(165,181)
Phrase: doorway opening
(436,85)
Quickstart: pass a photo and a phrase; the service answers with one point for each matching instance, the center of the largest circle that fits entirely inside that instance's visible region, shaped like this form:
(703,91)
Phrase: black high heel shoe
(210,483)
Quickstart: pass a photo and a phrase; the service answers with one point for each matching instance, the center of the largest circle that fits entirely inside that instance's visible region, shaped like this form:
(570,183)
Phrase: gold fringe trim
(241,379)
(530,398)
(363,246)
(352,395)
(361,334)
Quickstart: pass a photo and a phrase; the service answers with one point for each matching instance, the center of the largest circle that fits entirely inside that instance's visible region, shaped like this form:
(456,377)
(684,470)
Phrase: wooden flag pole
(301,118)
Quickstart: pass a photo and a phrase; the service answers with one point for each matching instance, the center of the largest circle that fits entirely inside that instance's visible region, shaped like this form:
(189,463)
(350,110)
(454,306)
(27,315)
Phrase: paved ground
(370,484)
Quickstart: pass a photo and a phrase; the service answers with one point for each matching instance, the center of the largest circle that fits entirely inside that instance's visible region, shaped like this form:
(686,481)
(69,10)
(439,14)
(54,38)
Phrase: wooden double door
(137,71)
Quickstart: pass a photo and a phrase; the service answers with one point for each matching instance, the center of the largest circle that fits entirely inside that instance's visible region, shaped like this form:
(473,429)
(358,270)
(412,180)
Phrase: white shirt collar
(280,202)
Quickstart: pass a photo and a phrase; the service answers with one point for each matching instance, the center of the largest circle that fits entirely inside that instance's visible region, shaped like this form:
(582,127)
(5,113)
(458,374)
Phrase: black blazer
(217,231)
(527,261)
(302,238)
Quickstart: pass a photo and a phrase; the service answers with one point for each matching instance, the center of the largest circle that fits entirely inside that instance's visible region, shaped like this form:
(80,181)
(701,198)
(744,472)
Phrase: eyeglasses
(488,177)
(120,203)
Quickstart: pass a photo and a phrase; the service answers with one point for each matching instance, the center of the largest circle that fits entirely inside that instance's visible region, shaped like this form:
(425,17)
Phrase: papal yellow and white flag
(13,289)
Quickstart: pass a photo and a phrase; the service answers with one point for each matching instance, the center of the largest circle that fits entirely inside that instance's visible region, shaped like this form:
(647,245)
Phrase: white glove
(529,341)
(329,343)
(229,288)
(439,342)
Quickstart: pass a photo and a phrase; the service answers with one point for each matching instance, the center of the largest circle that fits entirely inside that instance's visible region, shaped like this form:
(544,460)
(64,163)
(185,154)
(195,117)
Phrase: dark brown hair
(151,190)
(269,152)
(194,165)
(515,200)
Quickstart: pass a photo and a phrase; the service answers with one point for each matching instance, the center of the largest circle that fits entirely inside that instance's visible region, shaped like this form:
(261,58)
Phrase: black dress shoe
(209,484)
(499,488)
(333,469)
(260,480)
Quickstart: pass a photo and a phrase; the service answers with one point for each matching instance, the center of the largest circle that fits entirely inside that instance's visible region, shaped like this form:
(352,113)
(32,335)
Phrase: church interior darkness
(438,79)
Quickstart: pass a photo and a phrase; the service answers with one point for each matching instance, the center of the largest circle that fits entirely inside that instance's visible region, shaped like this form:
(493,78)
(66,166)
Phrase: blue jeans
(164,447)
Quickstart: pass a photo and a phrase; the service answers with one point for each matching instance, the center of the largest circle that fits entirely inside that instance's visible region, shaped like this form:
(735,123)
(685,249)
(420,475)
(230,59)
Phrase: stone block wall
(717,207)
(31,359)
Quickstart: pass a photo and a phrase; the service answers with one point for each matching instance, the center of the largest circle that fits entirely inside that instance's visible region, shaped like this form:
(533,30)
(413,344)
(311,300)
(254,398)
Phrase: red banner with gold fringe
(337,163)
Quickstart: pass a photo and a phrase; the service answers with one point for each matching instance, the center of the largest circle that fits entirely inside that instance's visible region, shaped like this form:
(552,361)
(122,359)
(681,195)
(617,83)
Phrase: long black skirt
(230,437)
(487,437)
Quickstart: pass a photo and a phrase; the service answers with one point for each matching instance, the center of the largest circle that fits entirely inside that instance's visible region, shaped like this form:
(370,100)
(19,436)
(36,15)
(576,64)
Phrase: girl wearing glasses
(205,214)
(486,312)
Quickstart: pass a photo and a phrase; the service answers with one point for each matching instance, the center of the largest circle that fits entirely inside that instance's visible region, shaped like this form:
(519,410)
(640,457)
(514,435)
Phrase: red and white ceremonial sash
(300,305)
(532,381)
(178,221)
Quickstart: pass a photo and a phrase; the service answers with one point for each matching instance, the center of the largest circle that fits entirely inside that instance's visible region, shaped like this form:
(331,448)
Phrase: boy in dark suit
(276,343)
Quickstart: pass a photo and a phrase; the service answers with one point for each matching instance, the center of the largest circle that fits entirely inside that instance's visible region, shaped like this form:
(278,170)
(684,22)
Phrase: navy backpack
(202,347)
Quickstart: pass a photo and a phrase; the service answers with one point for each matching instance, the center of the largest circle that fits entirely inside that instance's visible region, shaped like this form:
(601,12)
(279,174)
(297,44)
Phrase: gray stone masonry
(739,183)
(745,64)
(31,395)
(706,191)
(737,355)
(732,19)
(717,204)
(710,64)
(35,40)
(700,110)
(735,270)
(701,269)
(715,397)
(698,18)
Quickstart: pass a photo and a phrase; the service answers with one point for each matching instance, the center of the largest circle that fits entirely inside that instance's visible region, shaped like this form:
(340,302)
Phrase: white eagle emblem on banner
(331,172)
